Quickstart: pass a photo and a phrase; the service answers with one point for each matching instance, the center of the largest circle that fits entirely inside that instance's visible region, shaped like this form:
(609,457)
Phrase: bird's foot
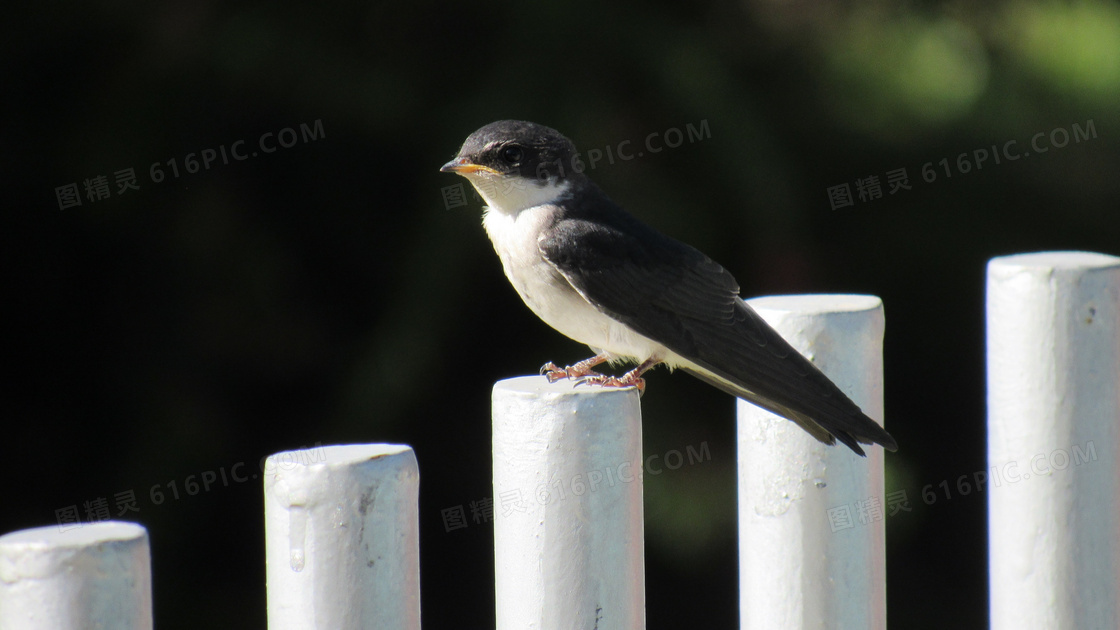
(630,379)
(633,378)
(553,373)
(579,370)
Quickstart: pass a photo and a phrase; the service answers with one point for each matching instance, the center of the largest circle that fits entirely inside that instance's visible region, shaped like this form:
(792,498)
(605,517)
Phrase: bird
(599,275)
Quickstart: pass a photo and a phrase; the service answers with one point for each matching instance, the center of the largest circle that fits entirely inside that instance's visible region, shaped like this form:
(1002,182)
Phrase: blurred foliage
(324,294)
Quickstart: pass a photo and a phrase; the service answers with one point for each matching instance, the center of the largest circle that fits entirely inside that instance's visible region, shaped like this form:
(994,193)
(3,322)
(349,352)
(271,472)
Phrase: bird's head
(516,164)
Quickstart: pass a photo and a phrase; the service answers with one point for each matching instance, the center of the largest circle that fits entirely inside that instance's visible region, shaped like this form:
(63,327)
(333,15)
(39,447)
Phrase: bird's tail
(857,428)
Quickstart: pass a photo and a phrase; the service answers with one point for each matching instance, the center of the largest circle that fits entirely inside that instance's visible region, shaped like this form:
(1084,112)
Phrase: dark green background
(323,293)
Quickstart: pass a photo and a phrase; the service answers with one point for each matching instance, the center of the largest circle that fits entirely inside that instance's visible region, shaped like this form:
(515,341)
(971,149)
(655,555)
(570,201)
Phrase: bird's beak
(464,166)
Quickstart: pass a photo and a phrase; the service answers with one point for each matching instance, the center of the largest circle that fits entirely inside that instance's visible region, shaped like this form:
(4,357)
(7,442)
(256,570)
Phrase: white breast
(515,233)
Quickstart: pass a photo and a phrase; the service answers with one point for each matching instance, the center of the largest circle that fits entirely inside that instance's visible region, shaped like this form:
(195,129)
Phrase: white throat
(511,195)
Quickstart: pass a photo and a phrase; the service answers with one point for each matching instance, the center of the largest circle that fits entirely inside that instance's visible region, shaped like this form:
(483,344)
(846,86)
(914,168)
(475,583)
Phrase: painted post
(812,549)
(97,575)
(568,537)
(1053,486)
(342,538)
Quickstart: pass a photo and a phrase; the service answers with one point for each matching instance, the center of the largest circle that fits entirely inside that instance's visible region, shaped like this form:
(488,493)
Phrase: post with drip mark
(342,538)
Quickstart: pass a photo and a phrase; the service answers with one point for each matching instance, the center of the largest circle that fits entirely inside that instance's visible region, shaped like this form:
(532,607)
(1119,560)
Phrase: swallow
(598,275)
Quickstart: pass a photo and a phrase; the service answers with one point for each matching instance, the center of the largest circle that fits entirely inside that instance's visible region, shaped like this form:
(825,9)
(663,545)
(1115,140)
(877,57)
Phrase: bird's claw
(553,373)
(602,380)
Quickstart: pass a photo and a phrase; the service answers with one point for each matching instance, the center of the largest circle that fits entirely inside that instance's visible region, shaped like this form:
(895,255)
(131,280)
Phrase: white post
(94,576)
(1053,324)
(342,538)
(811,517)
(568,538)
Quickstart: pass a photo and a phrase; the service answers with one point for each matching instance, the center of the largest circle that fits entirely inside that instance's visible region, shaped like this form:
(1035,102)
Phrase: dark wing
(677,296)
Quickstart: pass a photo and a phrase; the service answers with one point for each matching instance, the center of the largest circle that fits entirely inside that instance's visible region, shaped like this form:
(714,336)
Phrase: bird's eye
(512,154)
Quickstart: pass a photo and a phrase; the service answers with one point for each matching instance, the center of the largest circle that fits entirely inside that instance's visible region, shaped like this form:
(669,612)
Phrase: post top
(343,454)
(539,385)
(83,536)
(1045,261)
(817,303)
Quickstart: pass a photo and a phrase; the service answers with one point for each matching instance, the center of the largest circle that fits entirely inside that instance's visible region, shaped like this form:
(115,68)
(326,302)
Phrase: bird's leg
(579,370)
(631,378)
